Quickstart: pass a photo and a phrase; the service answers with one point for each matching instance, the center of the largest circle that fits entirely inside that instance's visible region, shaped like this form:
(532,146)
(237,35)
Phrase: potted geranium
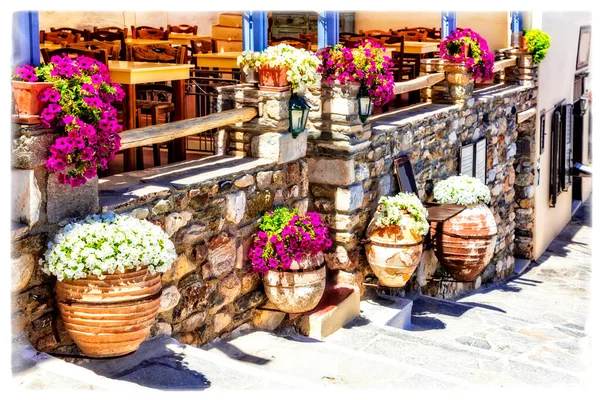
(468,59)
(27,84)
(395,238)
(464,244)
(366,65)
(108,280)
(79,105)
(288,252)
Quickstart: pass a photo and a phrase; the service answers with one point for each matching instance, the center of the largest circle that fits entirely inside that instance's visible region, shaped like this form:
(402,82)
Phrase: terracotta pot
(250,77)
(393,252)
(109,317)
(296,291)
(460,82)
(273,78)
(464,244)
(522,43)
(25,96)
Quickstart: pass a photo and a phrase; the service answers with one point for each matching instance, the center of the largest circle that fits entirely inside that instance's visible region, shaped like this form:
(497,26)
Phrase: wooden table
(147,41)
(218,60)
(51,46)
(184,38)
(413,47)
(130,73)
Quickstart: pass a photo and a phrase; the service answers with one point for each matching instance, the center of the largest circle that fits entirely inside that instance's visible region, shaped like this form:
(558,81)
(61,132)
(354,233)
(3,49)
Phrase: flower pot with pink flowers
(78,103)
(468,58)
(288,252)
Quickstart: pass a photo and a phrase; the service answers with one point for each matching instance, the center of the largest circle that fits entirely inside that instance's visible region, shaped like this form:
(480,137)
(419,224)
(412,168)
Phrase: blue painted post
(254,26)
(329,28)
(516,26)
(448,23)
(26,38)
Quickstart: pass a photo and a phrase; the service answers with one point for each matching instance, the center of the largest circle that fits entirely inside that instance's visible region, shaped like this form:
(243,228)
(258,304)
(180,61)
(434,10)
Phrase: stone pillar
(341,168)
(267,135)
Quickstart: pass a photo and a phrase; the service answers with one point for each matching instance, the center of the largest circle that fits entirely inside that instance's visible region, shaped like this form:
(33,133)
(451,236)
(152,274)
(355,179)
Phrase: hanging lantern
(299,109)
(583,104)
(365,105)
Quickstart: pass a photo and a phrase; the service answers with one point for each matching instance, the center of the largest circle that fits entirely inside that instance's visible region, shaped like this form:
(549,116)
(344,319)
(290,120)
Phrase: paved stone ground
(530,330)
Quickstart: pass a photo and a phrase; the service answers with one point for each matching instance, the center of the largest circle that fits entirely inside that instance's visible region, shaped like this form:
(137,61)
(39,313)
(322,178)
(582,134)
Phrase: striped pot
(464,244)
(393,252)
(109,317)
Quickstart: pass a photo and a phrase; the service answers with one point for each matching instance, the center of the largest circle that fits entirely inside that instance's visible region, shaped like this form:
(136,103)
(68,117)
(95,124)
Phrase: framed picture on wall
(467,159)
(405,176)
(583,47)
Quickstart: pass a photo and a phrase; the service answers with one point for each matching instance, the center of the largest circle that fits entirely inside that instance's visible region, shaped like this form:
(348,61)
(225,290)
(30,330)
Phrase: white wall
(556,75)
(89,19)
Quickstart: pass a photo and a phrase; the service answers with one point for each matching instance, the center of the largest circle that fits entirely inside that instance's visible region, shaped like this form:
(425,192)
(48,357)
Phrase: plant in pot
(364,64)
(108,284)
(468,59)
(27,84)
(395,238)
(536,43)
(464,244)
(79,106)
(288,252)
(283,67)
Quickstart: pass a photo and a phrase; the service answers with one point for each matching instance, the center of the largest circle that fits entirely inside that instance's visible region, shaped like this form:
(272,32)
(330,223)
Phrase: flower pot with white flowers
(395,238)
(288,251)
(108,285)
(464,244)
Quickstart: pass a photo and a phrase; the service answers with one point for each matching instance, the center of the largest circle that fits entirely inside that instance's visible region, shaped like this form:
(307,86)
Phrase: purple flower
(96,79)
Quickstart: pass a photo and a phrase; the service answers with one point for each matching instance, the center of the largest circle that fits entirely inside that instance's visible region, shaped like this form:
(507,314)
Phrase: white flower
(390,212)
(103,244)
(464,190)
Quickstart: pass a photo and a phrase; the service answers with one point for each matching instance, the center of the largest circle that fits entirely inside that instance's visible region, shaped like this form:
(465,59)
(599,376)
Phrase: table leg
(179,100)
(129,156)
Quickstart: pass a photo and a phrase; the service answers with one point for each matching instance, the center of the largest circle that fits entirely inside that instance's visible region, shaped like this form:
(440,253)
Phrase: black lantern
(299,109)
(583,104)
(365,106)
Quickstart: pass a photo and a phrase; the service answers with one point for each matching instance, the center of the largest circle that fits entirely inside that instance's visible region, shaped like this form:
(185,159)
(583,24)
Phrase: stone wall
(348,172)
(210,208)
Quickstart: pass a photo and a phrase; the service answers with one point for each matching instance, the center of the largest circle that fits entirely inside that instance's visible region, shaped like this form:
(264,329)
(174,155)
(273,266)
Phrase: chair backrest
(157,53)
(73,52)
(149,32)
(83,33)
(412,35)
(114,29)
(59,37)
(373,32)
(183,28)
(292,41)
(348,35)
(432,33)
(312,37)
(201,46)
(389,39)
(356,41)
(109,36)
(112,49)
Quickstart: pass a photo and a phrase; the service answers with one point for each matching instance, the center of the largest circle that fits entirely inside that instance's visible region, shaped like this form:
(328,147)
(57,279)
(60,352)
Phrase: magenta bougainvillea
(285,236)
(79,105)
(365,64)
(478,59)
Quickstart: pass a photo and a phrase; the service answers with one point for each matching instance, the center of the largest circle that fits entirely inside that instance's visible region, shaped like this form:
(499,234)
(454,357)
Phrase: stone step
(339,305)
(230,19)
(225,32)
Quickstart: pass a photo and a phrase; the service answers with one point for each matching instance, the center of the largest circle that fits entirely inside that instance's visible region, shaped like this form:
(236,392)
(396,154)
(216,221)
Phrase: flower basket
(26,96)
(273,79)
(109,317)
(465,243)
(395,239)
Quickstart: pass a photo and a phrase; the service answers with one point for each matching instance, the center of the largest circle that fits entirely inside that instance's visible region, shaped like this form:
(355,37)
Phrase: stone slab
(26,196)
(279,147)
(65,201)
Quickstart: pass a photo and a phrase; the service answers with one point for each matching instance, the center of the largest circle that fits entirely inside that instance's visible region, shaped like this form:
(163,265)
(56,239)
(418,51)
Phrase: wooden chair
(389,39)
(149,32)
(312,37)
(292,41)
(373,32)
(183,28)
(201,46)
(109,36)
(72,52)
(411,35)
(84,34)
(112,49)
(350,35)
(432,33)
(59,37)
(356,41)
(157,98)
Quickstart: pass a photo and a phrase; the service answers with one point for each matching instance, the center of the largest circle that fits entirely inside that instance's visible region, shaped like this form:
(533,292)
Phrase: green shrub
(537,44)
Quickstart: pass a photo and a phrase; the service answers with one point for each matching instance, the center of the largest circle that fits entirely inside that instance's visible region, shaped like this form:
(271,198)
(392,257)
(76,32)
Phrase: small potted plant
(288,252)
(27,84)
(395,238)
(467,58)
(366,65)
(108,280)
(464,244)
(79,105)
(536,44)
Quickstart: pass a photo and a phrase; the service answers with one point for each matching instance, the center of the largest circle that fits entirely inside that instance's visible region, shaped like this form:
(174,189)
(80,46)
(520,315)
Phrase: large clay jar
(464,244)
(26,96)
(109,317)
(298,289)
(393,252)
